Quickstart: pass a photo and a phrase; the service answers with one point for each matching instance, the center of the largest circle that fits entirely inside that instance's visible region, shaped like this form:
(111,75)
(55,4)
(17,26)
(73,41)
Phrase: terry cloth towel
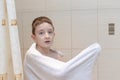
(40,67)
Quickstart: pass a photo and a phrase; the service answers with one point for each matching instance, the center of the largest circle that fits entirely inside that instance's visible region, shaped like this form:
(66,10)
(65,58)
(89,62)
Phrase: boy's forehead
(44,26)
(39,28)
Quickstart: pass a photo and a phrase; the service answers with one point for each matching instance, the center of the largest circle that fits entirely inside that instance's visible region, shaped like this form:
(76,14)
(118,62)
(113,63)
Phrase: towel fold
(40,67)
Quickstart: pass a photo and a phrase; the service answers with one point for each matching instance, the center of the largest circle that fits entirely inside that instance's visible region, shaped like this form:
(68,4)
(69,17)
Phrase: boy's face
(44,35)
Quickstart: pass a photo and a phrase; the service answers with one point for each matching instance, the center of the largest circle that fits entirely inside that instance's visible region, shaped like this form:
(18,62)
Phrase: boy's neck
(44,51)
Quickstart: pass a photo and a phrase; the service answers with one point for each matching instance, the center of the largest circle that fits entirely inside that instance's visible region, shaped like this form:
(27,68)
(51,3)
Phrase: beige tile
(62,24)
(84,4)
(104,18)
(33,5)
(58,5)
(109,3)
(20,28)
(109,66)
(18,4)
(20,32)
(84,28)
(22,54)
(95,72)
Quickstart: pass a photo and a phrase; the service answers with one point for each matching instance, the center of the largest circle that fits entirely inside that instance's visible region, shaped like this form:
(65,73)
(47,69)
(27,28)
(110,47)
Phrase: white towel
(40,67)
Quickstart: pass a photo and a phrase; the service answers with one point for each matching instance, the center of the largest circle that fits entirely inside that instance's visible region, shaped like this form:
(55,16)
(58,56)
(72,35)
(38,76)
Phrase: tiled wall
(78,23)
(109,12)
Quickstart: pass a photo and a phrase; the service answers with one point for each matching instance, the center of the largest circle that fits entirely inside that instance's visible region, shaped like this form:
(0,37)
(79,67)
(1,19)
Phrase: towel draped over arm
(40,67)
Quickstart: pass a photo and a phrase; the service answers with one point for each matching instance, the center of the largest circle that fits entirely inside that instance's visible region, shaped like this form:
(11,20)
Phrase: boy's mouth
(47,42)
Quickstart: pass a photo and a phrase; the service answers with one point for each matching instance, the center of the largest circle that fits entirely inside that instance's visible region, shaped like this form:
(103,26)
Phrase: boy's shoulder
(60,53)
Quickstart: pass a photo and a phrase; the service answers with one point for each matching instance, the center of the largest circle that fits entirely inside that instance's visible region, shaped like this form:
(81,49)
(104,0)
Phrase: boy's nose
(47,35)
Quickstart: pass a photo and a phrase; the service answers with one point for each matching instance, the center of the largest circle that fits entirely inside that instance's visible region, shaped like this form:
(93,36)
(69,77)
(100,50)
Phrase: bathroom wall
(78,23)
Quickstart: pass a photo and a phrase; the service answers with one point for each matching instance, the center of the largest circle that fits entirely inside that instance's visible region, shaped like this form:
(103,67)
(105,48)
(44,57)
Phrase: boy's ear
(33,37)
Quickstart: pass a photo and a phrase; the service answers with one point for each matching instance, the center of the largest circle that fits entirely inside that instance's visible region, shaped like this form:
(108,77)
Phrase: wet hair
(39,20)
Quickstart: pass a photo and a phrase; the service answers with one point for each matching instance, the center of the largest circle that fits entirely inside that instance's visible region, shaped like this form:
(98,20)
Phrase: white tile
(84,28)
(104,18)
(33,5)
(108,3)
(109,65)
(58,5)
(84,4)
(62,24)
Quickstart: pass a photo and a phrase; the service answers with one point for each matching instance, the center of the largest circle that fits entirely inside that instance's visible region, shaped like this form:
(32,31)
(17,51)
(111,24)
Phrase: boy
(43,35)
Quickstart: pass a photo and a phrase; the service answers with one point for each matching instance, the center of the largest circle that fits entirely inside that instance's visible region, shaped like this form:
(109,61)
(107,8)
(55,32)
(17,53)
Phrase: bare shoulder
(58,54)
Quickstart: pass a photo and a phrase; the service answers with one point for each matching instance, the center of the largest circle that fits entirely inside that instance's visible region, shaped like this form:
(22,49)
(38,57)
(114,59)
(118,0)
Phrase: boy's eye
(50,32)
(41,33)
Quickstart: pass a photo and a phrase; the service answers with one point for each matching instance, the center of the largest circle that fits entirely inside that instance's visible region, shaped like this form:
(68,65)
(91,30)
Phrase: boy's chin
(47,46)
